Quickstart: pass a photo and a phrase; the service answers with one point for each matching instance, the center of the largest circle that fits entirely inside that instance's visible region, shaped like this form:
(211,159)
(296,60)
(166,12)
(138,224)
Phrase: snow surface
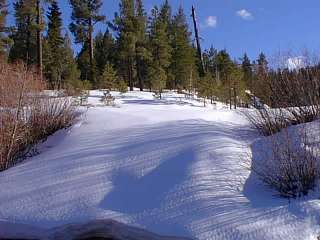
(169,166)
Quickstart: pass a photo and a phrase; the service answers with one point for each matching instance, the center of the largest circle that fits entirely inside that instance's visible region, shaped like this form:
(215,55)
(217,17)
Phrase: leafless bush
(288,163)
(298,91)
(294,97)
(26,115)
(268,121)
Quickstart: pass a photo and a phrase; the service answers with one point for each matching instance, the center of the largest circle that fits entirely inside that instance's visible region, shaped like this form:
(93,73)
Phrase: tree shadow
(133,195)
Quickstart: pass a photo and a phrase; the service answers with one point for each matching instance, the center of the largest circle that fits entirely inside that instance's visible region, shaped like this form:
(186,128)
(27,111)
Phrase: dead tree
(196,31)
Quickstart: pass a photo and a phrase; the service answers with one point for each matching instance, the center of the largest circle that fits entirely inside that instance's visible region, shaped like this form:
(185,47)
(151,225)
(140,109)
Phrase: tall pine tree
(85,14)
(104,50)
(3,29)
(54,50)
(125,26)
(142,52)
(183,57)
(247,71)
(70,73)
(25,32)
(161,54)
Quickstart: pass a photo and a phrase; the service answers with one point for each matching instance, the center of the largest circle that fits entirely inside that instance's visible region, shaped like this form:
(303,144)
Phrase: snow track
(170,166)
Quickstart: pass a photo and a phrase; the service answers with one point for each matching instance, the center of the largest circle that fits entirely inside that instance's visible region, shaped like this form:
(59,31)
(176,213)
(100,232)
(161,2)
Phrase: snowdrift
(170,166)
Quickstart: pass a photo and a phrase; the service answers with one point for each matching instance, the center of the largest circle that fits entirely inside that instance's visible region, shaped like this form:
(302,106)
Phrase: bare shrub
(26,114)
(298,92)
(294,98)
(288,163)
(268,121)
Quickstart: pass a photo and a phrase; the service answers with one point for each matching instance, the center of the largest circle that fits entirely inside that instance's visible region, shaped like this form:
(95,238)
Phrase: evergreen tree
(161,54)
(224,67)
(205,88)
(125,26)
(85,14)
(83,61)
(39,35)
(210,63)
(54,51)
(70,73)
(211,78)
(237,85)
(261,86)
(262,63)
(109,78)
(183,57)
(247,71)
(165,16)
(104,51)
(142,52)
(3,29)
(25,33)
(55,38)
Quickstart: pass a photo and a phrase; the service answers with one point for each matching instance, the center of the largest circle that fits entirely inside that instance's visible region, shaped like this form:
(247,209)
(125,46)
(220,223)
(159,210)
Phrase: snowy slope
(168,166)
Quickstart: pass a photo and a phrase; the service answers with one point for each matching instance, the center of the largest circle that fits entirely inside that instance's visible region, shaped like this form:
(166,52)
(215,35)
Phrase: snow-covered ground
(169,166)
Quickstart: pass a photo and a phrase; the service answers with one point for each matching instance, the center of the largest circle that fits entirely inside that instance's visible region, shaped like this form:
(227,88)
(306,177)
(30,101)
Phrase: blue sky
(242,26)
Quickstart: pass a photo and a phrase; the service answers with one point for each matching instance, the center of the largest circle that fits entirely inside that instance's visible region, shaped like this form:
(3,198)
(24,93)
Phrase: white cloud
(245,14)
(211,21)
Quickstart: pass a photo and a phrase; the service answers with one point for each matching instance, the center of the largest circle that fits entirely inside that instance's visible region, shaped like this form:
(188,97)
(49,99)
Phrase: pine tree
(165,16)
(83,61)
(3,29)
(261,88)
(204,87)
(161,54)
(55,39)
(142,52)
(39,37)
(224,67)
(70,73)
(247,71)
(262,63)
(210,57)
(125,26)
(104,51)
(237,85)
(183,57)
(54,50)
(25,33)
(109,78)
(85,14)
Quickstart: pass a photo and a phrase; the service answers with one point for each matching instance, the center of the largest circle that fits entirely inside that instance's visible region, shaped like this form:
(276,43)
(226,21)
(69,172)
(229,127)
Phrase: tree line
(153,51)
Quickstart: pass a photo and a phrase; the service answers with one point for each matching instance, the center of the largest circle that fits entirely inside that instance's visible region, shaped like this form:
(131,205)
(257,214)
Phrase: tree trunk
(130,74)
(139,74)
(202,71)
(39,39)
(230,97)
(235,97)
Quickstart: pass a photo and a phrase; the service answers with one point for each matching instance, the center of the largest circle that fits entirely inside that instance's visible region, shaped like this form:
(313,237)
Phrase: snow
(170,166)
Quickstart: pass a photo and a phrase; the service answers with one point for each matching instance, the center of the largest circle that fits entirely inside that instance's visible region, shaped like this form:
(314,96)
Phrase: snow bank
(168,166)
